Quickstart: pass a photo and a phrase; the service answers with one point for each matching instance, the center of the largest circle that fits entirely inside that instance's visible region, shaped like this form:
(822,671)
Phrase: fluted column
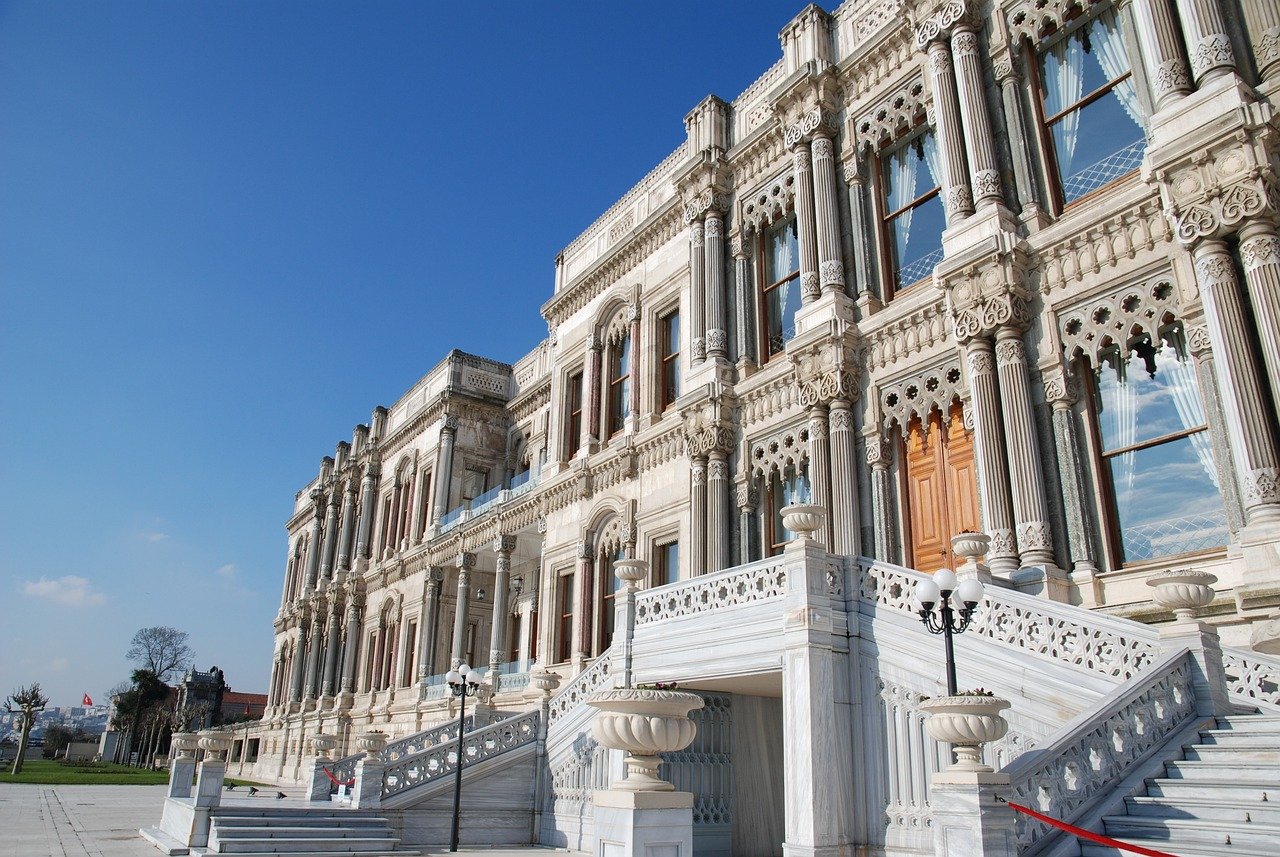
(697,291)
(591,425)
(430,624)
(635,365)
(1239,381)
(747,498)
(862,252)
(1035,542)
(957,196)
(827,215)
(348,525)
(311,665)
(1262,19)
(845,537)
(806,230)
(1260,253)
(368,510)
(330,536)
(314,546)
(820,469)
(352,646)
(717,338)
(1162,50)
(299,662)
(332,643)
(584,583)
(884,527)
(444,466)
(1081,524)
(1016,127)
(997,513)
(502,546)
(698,515)
(979,141)
(1207,40)
(741,249)
(465,562)
(718,511)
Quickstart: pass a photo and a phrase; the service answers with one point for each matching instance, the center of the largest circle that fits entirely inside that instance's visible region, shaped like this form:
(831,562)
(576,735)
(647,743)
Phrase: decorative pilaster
(313,658)
(997,514)
(979,141)
(957,196)
(348,525)
(747,498)
(635,364)
(502,546)
(299,661)
(314,542)
(1255,455)
(883,526)
(1076,495)
(845,537)
(717,511)
(1260,253)
(584,581)
(697,291)
(465,562)
(1207,40)
(717,340)
(820,469)
(806,230)
(827,215)
(368,509)
(349,652)
(1158,34)
(330,536)
(430,625)
(444,466)
(1262,19)
(698,515)
(741,249)
(333,642)
(591,425)
(1035,542)
(862,252)
(1016,127)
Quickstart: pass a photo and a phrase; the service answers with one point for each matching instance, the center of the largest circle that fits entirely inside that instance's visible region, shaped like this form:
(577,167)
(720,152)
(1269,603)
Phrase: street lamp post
(955,610)
(463,682)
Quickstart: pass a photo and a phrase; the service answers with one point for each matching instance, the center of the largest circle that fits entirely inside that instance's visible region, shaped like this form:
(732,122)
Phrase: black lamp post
(955,609)
(464,682)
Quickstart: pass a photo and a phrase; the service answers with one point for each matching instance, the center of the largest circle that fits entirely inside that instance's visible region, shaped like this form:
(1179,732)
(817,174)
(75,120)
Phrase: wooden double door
(941,488)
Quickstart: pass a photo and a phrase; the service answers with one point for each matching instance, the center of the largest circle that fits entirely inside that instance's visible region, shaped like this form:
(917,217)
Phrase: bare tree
(28,702)
(161,650)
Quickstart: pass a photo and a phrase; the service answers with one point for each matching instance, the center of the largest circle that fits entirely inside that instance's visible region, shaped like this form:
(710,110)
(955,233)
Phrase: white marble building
(1010,267)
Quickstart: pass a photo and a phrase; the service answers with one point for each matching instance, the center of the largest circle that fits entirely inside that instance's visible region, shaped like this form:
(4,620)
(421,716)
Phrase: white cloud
(155,537)
(228,571)
(70,590)
(59,664)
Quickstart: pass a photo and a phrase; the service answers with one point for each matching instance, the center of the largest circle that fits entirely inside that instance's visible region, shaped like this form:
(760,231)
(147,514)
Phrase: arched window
(619,393)
(779,286)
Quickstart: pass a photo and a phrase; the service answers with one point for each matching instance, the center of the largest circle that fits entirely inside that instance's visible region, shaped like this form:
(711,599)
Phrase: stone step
(298,820)
(1233,738)
(1220,790)
(1252,723)
(288,832)
(1233,754)
(1092,849)
(1220,772)
(1196,833)
(325,845)
(381,853)
(1241,812)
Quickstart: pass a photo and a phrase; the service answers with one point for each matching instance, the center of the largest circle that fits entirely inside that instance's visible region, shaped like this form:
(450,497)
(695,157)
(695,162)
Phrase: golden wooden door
(942,488)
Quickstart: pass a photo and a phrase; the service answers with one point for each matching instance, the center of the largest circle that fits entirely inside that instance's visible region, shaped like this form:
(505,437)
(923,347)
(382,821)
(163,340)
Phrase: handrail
(431,764)
(344,769)
(583,685)
(764,580)
(1252,678)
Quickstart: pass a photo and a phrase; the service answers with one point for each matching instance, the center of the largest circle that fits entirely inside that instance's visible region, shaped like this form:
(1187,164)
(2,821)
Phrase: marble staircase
(254,832)
(1220,798)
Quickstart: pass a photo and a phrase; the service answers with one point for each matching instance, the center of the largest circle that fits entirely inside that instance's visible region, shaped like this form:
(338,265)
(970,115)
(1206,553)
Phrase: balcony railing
(521,484)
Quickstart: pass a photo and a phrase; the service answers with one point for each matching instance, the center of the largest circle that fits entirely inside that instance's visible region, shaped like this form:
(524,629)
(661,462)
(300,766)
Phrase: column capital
(464,560)
(937,26)
(504,544)
(449,423)
(816,122)
(583,548)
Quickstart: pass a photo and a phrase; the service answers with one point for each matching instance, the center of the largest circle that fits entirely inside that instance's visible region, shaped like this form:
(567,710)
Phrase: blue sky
(229,230)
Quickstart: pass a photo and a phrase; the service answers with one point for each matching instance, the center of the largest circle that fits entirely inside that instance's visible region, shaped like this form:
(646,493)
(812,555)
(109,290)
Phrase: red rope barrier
(335,781)
(1085,834)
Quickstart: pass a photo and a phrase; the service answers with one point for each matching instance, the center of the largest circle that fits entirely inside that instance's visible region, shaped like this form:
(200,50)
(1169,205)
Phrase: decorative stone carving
(185,744)
(966,723)
(323,744)
(705,200)
(644,723)
(832,272)
(1171,76)
(215,743)
(1149,307)
(918,396)
(1262,486)
(1257,252)
(697,235)
(787,448)
(372,744)
(811,121)
(763,206)
(959,199)
(631,571)
(986,183)
(717,469)
(1183,590)
(987,313)
(1208,193)
(810,286)
(716,340)
(1213,50)
(939,23)
(543,680)
(803,519)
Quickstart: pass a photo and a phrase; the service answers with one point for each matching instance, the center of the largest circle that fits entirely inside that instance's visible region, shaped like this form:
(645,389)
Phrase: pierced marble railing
(1252,678)
(1101,747)
(765,580)
(583,685)
(511,682)
(344,769)
(426,766)
(1060,632)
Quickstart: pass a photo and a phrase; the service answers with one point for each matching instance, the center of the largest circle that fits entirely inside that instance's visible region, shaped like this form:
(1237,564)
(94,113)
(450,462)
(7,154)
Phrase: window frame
(617,386)
(763,288)
(566,605)
(573,415)
(889,269)
(668,358)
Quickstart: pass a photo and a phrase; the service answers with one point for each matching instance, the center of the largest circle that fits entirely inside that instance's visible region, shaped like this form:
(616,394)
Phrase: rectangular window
(666,564)
(1092,121)
(474,483)
(669,355)
(780,286)
(913,215)
(619,384)
(1156,453)
(410,653)
(564,631)
(573,421)
(608,601)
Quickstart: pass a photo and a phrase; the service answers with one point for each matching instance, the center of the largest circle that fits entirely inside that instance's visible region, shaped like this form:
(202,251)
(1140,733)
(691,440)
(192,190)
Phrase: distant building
(242,706)
(212,702)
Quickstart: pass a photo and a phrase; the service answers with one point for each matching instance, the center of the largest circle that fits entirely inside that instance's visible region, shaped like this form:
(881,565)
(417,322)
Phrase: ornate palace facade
(1010,267)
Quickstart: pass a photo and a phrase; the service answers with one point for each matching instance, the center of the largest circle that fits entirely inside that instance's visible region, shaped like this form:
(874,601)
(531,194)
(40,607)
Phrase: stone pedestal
(319,780)
(181,772)
(643,824)
(367,792)
(967,818)
(209,782)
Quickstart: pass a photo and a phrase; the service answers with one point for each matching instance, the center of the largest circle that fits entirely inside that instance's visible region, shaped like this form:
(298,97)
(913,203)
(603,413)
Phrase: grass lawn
(46,772)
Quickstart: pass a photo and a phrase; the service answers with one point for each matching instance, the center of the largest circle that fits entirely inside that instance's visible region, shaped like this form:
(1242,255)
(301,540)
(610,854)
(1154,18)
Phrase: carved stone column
(747,498)
(430,625)
(502,546)
(333,642)
(635,365)
(444,466)
(820,470)
(584,581)
(591,425)
(697,291)
(465,562)
(330,536)
(883,521)
(957,196)
(1260,253)
(314,542)
(741,249)
(1248,420)
(314,641)
(1015,123)
(1262,19)
(348,525)
(979,141)
(993,471)
(353,643)
(1166,68)
(299,661)
(827,215)
(1081,523)
(368,509)
(862,252)
(698,516)
(1035,541)
(845,537)
(717,339)
(1200,344)
(1207,40)
(717,511)
(806,229)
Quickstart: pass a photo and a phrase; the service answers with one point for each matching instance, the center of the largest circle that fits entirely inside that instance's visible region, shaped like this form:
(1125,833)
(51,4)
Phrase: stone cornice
(530,401)
(449,402)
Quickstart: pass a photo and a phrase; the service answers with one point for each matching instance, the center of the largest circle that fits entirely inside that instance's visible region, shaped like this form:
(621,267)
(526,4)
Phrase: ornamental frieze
(917,396)
(982,300)
(1149,308)
(786,448)
(893,116)
(1210,193)
(939,24)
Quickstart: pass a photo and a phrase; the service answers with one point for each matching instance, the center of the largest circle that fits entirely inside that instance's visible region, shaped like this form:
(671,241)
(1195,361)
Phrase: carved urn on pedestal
(803,519)
(966,722)
(324,744)
(372,744)
(215,743)
(184,744)
(1183,590)
(643,722)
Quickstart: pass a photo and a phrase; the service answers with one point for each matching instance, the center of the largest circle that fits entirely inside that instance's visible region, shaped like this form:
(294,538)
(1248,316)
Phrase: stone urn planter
(215,743)
(966,722)
(324,744)
(1183,590)
(803,519)
(184,744)
(971,546)
(643,723)
(372,744)
(543,680)
(631,571)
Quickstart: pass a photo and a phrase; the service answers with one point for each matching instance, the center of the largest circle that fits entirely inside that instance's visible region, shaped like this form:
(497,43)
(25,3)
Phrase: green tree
(26,702)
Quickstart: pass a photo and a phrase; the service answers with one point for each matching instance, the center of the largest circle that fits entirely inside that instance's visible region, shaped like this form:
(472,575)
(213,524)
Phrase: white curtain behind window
(1120,428)
(1180,376)
(903,166)
(1063,86)
(1108,47)
(932,157)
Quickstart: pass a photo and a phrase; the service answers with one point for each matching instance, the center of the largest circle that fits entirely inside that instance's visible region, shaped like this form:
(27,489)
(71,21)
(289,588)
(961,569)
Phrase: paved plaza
(103,821)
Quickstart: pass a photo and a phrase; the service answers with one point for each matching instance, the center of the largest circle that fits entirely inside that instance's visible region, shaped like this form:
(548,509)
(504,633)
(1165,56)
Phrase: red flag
(87,700)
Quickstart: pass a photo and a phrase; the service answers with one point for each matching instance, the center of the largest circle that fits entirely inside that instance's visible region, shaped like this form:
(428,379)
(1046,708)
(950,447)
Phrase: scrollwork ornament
(697,235)
(967,325)
(939,58)
(1215,269)
(1214,50)
(832,272)
(959,199)
(1034,535)
(699,348)
(980,363)
(964,43)
(877,452)
(1262,487)
(1268,47)
(1196,221)
(800,160)
(1002,543)
(1257,252)
(698,474)
(1198,340)
(986,183)
(717,469)
(1004,70)
(1239,202)
(450,423)
(717,341)
(817,429)
(841,419)
(1010,352)
(1171,76)
(809,285)
(712,226)
(822,148)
